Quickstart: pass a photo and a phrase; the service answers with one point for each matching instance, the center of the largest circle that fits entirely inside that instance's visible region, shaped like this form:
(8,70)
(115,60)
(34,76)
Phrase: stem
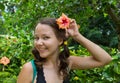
(3,69)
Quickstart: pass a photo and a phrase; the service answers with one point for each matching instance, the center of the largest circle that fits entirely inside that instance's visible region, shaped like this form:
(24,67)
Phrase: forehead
(44,29)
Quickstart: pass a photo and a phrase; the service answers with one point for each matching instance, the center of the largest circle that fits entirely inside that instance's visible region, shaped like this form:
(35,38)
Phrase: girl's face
(45,41)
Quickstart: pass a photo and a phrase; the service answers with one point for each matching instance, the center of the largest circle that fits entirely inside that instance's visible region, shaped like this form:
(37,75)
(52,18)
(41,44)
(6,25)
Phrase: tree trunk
(116,19)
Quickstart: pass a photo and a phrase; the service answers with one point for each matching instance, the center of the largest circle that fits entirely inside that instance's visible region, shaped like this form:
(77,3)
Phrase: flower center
(64,21)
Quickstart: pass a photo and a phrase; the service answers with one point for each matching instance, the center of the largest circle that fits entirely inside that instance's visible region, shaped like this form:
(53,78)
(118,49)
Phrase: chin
(43,56)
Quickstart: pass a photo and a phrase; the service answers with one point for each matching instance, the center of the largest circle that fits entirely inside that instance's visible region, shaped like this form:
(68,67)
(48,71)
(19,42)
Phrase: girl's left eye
(45,38)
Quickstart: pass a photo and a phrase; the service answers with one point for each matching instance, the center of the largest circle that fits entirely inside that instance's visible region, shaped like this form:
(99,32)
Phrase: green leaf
(4,74)
(2,7)
(117,68)
(105,14)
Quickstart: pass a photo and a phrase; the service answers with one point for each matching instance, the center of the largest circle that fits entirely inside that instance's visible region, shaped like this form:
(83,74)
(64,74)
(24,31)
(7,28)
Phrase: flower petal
(63,21)
(4,60)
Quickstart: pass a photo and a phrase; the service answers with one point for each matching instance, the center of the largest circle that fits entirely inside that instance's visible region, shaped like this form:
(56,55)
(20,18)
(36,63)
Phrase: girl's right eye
(36,38)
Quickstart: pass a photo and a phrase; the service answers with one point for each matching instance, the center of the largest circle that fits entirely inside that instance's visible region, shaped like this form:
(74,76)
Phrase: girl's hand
(73,29)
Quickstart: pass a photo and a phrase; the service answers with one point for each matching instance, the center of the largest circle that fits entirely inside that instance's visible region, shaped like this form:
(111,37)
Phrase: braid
(63,67)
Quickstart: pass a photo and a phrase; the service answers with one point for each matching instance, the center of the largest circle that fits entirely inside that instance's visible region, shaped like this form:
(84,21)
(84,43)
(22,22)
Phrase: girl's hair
(63,55)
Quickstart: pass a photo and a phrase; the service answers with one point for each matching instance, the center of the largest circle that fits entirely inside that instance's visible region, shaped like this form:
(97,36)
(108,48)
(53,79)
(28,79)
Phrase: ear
(60,41)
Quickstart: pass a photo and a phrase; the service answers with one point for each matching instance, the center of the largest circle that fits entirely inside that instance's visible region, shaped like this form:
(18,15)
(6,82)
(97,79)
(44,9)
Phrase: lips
(42,50)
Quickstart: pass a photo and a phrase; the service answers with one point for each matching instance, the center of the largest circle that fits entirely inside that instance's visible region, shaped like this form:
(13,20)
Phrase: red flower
(4,60)
(63,21)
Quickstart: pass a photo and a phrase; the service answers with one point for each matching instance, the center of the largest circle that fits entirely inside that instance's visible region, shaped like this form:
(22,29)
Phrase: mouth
(42,50)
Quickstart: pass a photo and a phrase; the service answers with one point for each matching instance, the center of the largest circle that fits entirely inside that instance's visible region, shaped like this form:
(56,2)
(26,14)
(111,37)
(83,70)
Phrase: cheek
(53,44)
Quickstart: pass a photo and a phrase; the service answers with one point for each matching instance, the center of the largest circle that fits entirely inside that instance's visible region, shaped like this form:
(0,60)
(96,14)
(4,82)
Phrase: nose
(40,42)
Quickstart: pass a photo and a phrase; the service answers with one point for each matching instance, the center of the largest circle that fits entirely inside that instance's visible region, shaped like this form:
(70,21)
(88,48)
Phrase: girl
(51,65)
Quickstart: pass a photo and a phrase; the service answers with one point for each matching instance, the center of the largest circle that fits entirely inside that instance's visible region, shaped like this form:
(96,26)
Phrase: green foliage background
(17,22)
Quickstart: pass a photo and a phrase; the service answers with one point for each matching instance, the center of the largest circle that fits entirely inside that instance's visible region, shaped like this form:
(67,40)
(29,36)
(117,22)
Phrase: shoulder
(27,67)
(72,62)
(26,73)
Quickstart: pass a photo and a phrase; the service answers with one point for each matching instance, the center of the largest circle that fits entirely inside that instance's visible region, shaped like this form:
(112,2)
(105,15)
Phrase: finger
(66,34)
(72,20)
(78,25)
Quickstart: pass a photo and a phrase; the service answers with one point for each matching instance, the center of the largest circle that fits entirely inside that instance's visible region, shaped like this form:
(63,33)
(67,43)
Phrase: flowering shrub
(17,51)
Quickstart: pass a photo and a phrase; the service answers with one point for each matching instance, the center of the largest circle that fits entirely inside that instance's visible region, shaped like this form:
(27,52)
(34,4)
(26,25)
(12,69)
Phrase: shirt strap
(34,70)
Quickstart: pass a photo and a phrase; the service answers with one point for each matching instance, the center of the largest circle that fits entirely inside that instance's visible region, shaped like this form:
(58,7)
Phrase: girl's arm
(99,57)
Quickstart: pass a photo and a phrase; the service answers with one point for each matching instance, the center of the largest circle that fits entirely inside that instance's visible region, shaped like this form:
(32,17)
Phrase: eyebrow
(42,35)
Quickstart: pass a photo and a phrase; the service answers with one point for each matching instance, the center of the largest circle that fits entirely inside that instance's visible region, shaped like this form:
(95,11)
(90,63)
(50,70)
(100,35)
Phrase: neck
(52,61)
